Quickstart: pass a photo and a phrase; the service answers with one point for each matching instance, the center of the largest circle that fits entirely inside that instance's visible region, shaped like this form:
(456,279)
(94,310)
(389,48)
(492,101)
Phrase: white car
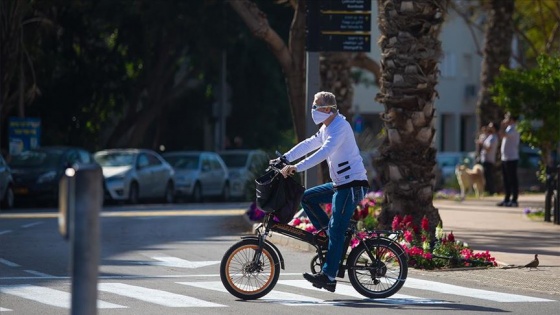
(135,174)
(199,174)
(244,166)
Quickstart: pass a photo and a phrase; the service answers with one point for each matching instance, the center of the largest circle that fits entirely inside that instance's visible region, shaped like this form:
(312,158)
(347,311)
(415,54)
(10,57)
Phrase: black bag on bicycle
(279,195)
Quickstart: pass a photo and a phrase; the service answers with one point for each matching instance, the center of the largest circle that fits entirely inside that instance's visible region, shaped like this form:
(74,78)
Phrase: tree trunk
(496,53)
(410,51)
(292,58)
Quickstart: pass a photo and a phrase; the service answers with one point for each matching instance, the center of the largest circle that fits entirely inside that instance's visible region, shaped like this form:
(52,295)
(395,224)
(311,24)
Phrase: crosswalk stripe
(8,263)
(155,296)
(284,298)
(347,290)
(464,291)
(5,309)
(47,295)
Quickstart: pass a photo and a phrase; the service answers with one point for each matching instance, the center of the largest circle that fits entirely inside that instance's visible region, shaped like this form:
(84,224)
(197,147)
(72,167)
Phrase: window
(449,65)
(153,160)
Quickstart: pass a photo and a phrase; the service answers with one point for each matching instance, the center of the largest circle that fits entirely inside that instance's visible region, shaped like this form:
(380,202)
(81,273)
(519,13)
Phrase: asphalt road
(164,259)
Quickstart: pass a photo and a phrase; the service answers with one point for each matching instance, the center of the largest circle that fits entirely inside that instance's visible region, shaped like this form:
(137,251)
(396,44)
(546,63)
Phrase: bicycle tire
(383,277)
(241,277)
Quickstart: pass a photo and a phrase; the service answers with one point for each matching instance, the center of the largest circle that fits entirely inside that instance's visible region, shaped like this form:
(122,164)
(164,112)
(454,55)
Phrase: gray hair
(326,98)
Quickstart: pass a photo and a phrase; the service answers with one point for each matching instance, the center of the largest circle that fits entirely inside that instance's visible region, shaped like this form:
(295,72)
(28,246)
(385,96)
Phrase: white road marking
(169,261)
(5,309)
(47,295)
(37,273)
(348,290)
(5,232)
(31,224)
(155,296)
(8,263)
(464,291)
(275,296)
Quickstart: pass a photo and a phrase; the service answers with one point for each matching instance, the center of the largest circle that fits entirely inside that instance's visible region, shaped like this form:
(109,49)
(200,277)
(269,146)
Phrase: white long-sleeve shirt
(336,144)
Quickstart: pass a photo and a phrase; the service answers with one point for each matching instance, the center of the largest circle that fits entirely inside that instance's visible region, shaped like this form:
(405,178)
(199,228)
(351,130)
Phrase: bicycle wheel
(245,278)
(384,275)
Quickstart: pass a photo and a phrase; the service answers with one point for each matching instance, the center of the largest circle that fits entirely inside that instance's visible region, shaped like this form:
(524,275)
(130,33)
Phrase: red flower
(451,237)
(425,224)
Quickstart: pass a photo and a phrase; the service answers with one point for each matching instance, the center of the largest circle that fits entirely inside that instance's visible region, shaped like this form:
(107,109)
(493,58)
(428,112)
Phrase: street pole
(311,176)
(80,203)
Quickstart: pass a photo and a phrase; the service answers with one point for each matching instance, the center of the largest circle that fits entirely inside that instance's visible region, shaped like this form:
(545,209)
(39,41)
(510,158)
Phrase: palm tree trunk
(496,53)
(410,51)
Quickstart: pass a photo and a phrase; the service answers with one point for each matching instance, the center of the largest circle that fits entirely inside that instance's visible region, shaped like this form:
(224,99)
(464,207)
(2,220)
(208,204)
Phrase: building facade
(458,86)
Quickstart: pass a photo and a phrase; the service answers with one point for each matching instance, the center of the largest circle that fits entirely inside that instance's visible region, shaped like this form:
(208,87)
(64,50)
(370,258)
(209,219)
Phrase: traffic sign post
(332,25)
(339,25)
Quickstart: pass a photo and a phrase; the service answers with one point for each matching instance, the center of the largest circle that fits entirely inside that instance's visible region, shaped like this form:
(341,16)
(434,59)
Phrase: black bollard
(81,200)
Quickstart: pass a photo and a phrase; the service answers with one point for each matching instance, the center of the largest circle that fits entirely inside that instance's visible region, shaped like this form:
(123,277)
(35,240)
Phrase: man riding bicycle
(334,142)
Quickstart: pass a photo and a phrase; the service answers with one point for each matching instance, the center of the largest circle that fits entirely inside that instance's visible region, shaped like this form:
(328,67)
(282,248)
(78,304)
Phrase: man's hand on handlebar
(288,170)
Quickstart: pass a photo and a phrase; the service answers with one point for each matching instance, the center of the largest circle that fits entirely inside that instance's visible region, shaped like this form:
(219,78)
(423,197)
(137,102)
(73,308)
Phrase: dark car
(37,172)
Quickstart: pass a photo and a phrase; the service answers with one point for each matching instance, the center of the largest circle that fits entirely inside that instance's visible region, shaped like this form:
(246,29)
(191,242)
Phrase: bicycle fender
(267,242)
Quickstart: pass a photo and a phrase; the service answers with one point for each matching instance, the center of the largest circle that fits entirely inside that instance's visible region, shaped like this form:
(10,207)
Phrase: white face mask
(319,117)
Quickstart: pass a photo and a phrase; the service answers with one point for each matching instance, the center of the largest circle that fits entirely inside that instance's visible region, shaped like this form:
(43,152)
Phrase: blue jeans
(344,202)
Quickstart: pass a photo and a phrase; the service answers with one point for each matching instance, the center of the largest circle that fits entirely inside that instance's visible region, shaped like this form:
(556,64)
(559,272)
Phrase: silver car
(6,186)
(244,166)
(199,174)
(135,174)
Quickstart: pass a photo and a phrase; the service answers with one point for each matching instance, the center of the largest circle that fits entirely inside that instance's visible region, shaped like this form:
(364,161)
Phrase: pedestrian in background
(489,149)
(478,142)
(509,151)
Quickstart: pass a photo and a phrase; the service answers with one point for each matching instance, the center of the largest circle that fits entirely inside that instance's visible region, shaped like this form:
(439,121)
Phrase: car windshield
(36,159)
(183,162)
(235,160)
(115,158)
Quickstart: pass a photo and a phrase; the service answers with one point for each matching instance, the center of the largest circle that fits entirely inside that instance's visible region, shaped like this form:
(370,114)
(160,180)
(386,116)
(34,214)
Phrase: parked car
(244,166)
(199,174)
(133,175)
(6,186)
(37,172)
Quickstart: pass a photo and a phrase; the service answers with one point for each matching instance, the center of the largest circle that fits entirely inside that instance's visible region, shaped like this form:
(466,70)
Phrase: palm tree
(410,51)
(496,53)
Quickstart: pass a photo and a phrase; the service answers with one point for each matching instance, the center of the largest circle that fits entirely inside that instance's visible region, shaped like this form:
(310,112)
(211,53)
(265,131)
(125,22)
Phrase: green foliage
(108,62)
(534,95)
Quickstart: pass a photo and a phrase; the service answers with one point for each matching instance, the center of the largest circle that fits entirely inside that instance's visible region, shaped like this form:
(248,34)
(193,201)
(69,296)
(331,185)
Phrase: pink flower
(328,208)
(396,222)
(408,236)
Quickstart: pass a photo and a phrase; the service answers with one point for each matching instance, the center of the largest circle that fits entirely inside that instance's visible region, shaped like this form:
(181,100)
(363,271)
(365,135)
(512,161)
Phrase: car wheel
(169,195)
(226,192)
(133,193)
(8,200)
(197,193)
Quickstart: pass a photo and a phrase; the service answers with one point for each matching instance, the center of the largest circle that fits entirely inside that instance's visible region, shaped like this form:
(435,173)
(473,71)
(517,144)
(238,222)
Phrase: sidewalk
(509,236)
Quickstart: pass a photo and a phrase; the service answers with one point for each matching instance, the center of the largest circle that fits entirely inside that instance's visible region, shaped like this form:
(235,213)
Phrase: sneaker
(512,204)
(321,281)
(502,204)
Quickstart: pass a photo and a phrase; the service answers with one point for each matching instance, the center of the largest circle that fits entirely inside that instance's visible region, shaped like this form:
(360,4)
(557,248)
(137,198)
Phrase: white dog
(470,178)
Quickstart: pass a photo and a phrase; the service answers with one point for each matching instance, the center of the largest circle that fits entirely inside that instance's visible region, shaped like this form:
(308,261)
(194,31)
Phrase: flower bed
(424,253)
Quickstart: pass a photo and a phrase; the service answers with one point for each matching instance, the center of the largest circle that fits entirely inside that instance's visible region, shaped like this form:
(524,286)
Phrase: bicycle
(377,267)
